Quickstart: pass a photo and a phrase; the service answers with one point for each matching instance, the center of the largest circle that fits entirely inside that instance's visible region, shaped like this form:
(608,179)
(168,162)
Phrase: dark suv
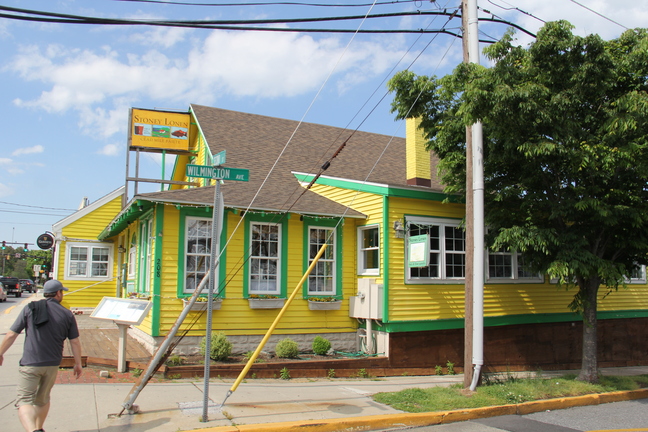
(28,285)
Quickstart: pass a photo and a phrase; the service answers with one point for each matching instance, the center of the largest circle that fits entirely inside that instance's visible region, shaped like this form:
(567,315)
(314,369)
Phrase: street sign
(220,173)
(219,158)
(237,174)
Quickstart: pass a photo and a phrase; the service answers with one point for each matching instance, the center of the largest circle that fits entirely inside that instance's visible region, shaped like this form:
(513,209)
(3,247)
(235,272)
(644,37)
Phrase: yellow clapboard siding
(88,228)
(235,316)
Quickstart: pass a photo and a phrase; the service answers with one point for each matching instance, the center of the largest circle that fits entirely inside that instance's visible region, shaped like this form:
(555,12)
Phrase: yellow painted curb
(385,421)
(556,404)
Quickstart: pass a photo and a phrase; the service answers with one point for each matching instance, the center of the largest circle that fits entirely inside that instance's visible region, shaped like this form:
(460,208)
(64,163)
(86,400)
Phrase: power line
(599,14)
(270,3)
(38,207)
(31,213)
(51,17)
(511,8)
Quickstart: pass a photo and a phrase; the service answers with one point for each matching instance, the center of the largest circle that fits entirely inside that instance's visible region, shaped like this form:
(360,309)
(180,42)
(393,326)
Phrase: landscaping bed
(305,366)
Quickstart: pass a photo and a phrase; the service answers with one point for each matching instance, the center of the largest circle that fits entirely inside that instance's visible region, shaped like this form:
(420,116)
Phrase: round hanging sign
(45,241)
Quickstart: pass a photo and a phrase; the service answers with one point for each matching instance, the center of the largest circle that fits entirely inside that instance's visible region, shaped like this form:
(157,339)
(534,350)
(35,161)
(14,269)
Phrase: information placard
(122,310)
(419,252)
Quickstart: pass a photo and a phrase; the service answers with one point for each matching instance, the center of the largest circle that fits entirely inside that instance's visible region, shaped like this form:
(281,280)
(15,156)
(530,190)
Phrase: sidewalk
(257,405)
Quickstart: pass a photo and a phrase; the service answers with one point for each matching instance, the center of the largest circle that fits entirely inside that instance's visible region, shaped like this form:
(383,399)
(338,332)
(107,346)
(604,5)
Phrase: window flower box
(201,304)
(324,303)
(265,302)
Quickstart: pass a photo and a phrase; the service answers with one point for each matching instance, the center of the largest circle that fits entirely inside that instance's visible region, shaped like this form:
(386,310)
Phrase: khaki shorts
(35,384)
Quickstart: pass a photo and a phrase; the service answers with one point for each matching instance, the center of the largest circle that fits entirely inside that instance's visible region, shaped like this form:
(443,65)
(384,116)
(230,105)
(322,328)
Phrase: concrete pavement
(257,405)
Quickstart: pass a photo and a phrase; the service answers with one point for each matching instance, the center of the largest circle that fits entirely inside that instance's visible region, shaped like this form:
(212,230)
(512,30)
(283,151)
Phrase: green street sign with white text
(218,172)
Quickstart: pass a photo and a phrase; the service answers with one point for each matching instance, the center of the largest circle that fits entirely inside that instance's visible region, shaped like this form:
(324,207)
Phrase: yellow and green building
(367,196)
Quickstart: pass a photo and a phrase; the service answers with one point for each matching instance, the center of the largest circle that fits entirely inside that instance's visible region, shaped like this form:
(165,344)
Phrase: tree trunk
(589,366)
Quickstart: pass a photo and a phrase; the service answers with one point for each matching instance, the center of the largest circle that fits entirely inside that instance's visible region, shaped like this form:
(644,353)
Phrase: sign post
(218,173)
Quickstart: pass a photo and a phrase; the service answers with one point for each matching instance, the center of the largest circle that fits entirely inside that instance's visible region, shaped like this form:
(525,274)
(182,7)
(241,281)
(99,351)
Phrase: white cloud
(111,150)
(28,150)
(5,190)
(6,161)
(241,64)
(161,36)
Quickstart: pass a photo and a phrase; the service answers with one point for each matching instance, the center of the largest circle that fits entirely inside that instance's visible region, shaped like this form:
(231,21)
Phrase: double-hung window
(509,266)
(321,280)
(446,249)
(89,261)
(369,250)
(198,234)
(265,264)
(146,255)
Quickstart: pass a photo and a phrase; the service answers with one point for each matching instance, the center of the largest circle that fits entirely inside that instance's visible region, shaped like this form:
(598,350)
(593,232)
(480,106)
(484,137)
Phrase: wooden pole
(468,288)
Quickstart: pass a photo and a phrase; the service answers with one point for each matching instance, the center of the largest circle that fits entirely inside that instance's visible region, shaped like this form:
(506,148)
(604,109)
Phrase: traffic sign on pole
(219,173)
(219,158)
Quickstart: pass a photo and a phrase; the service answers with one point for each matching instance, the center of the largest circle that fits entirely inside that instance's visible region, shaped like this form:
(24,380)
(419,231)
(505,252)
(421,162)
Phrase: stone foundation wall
(190,345)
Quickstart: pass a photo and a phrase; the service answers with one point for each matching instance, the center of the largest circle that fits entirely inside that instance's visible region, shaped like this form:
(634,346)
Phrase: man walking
(47,324)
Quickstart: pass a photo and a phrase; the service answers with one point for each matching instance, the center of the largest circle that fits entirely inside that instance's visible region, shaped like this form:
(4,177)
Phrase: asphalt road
(12,301)
(629,416)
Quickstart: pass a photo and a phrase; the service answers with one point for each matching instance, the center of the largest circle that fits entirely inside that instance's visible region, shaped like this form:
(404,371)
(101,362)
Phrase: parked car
(11,285)
(3,294)
(28,285)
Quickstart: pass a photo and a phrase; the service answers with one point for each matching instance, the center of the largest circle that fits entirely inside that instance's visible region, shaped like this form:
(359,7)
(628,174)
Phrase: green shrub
(438,370)
(221,347)
(287,348)
(321,345)
(450,367)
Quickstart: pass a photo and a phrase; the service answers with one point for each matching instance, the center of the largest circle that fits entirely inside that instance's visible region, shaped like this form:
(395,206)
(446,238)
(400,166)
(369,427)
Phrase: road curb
(403,420)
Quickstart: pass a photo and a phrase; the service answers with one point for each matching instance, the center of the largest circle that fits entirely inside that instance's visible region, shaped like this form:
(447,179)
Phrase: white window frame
(515,269)
(255,285)
(132,257)
(441,252)
(90,248)
(205,255)
(363,270)
(146,255)
(328,259)
(639,278)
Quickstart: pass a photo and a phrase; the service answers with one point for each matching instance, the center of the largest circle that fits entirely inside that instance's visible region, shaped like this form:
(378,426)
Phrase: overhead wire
(239,25)
(599,14)
(336,5)
(275,164)
(327,163)
(511,8)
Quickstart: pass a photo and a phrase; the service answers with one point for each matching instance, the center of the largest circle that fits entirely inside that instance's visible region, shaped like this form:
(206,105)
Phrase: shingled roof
(255,142)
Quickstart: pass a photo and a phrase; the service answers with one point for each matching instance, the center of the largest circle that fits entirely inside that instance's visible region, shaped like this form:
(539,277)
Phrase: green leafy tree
(39,257)
(565,154)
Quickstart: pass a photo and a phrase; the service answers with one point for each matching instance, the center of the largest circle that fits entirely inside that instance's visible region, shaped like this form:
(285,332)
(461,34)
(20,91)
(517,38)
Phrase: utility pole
(474,233)
(468,288)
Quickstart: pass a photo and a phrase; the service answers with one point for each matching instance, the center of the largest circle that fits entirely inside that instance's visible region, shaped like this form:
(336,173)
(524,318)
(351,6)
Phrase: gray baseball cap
(52,286)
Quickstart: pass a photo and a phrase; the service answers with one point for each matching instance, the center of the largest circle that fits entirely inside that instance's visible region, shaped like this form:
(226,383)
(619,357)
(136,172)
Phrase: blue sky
(65,89)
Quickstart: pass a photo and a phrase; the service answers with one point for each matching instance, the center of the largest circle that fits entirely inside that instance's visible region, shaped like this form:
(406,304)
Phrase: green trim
(458,323)
(157,274)
(266,218)
(142,225)
(328,223)
(385,259)
(392,191)
(129,215)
